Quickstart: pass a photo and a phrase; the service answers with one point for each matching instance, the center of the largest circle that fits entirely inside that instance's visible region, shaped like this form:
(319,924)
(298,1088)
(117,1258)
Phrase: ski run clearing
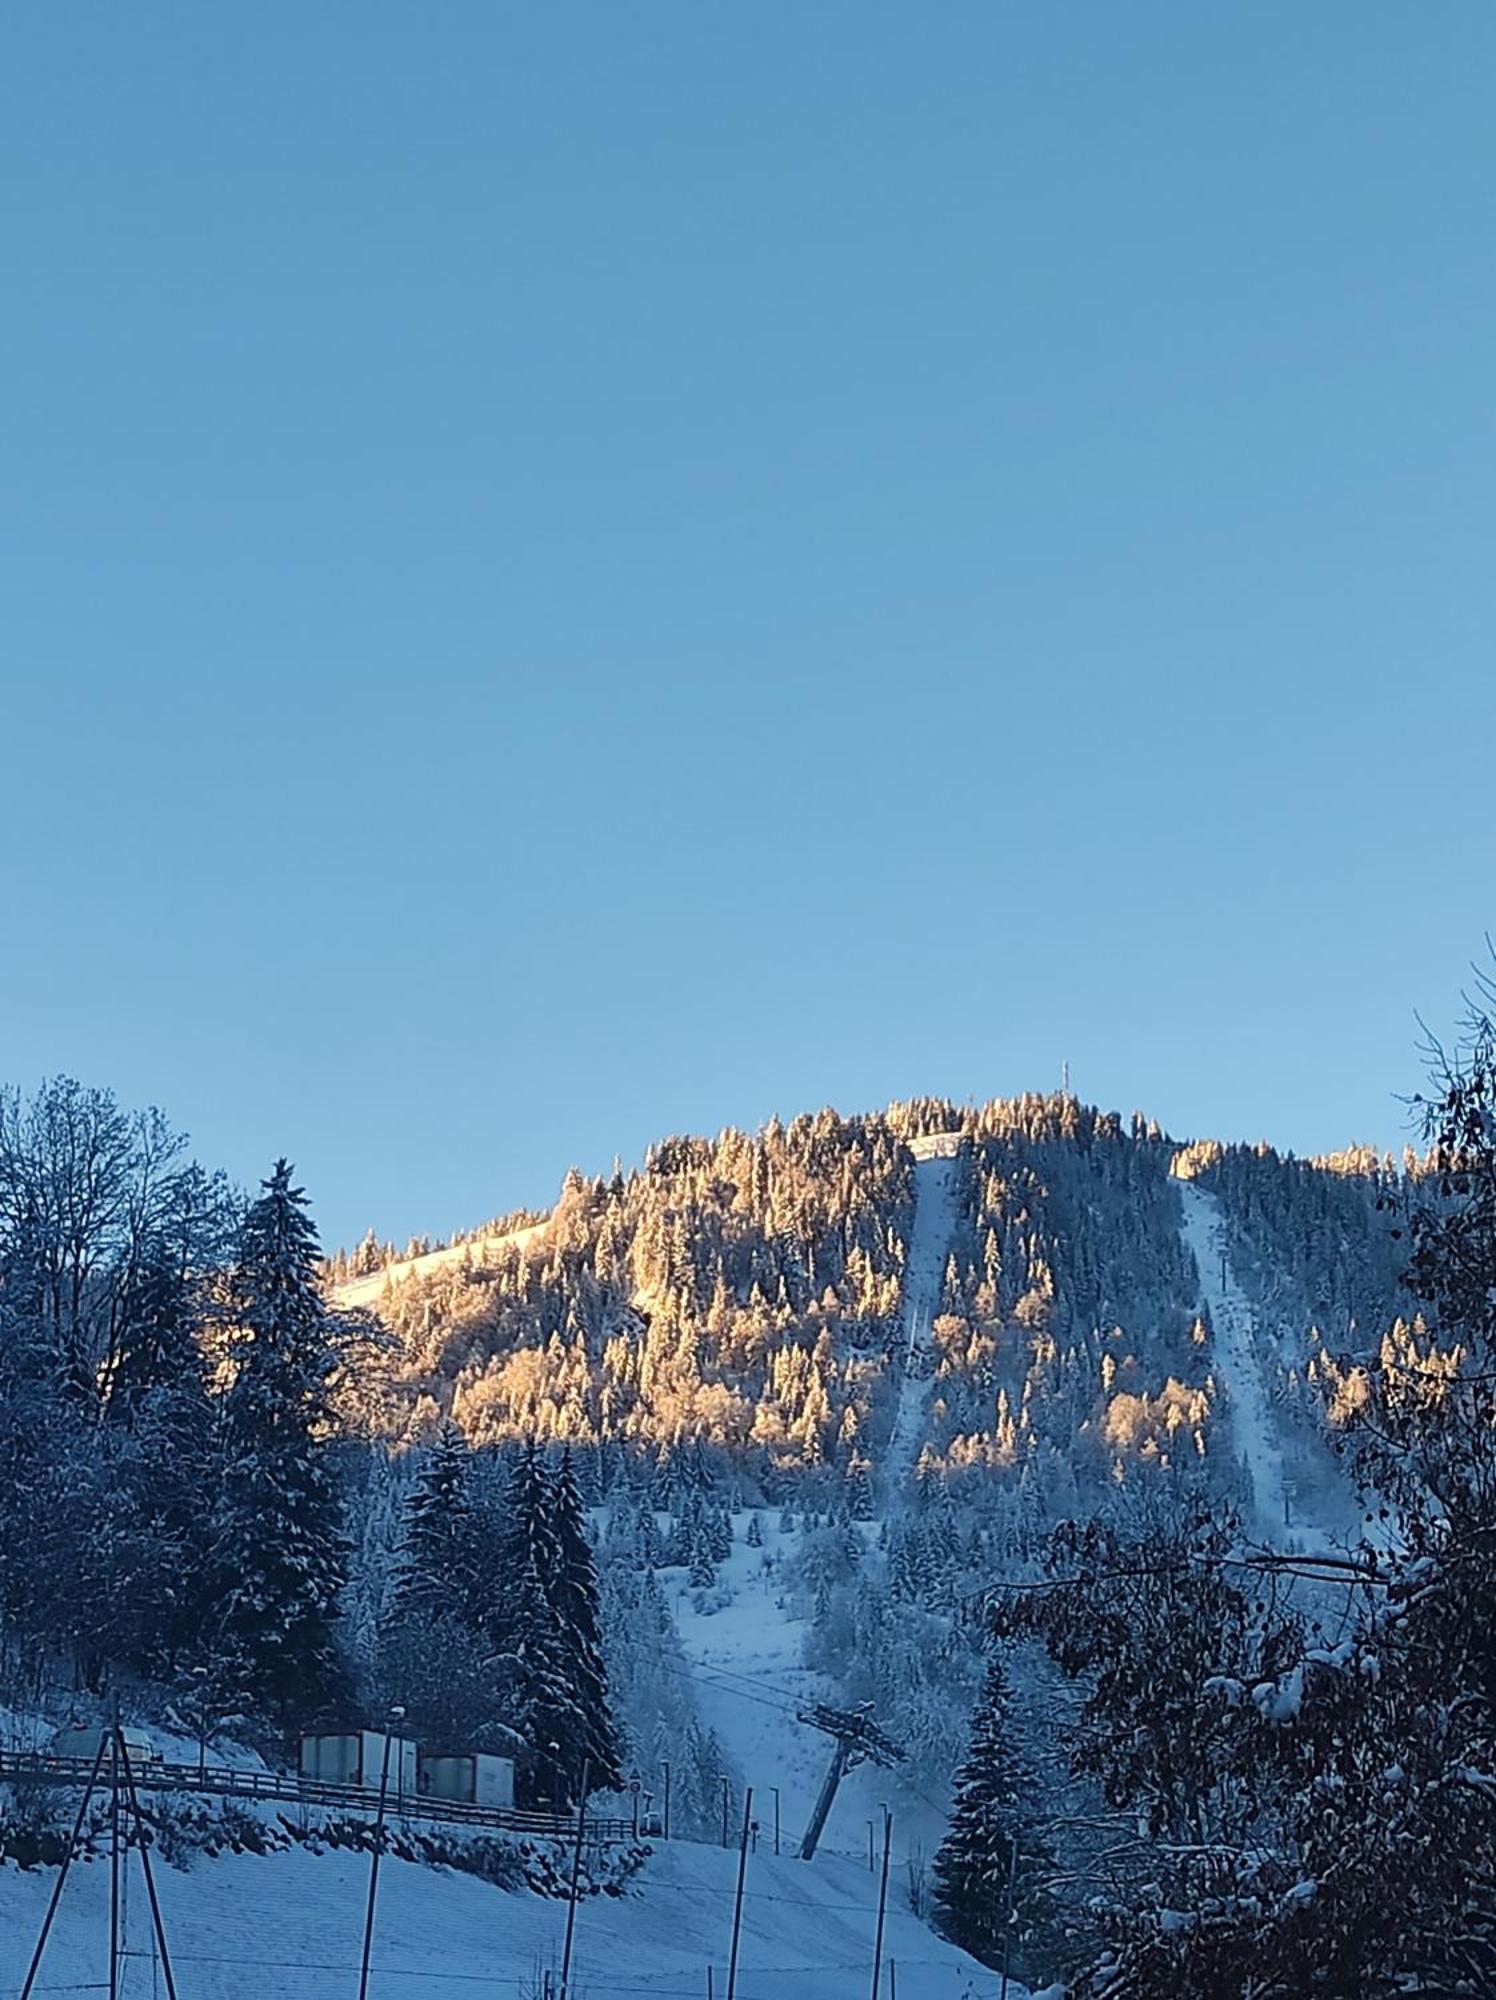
(365,1293)
(750,1685)
(289,1926)
(934,1187)
(1234,1330)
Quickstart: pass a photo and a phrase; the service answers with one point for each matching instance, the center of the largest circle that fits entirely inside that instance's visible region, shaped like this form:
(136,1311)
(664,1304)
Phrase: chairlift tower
(857,1739)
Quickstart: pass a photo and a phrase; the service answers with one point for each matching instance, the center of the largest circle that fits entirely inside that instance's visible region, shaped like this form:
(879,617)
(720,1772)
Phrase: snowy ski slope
(289,1926)
(1236,1352)
(934,1188)
(367,1292)
(747,1658)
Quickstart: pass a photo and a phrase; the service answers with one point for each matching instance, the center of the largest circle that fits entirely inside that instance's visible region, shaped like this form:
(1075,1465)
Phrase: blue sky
(571,573)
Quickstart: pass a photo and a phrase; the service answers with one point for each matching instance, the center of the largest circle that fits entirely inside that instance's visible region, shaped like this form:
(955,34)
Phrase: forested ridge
(743,1295)
(253,1488)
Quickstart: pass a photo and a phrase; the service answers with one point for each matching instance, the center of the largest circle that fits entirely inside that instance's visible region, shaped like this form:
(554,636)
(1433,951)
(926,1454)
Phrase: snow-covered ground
(290,1925)
(1238,1359)
(367,1292)
(750,1685)
(934,1186)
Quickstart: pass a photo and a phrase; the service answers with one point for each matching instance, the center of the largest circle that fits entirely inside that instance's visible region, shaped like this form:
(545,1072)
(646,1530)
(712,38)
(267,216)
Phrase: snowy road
(1238,1361)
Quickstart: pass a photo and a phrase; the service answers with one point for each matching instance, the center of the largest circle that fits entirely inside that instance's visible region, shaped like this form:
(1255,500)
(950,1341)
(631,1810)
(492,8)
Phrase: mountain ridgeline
(743,1299)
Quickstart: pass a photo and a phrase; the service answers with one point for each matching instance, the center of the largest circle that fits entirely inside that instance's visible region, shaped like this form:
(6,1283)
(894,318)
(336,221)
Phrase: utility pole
(775,1790)
(726,1802)
(396,1715)
(882,1900)
(737,1908)
(62,1873)
(858,1740)
(150,1874)
(122,1783)
(576,1871)
(114,1938)
(665,1768)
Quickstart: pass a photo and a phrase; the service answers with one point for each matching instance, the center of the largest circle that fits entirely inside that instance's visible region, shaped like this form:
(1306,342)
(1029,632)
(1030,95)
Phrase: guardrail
(228,1781)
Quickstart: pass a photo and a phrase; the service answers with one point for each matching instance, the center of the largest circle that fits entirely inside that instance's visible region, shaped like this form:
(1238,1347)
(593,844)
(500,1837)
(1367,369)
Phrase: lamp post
(396,1716)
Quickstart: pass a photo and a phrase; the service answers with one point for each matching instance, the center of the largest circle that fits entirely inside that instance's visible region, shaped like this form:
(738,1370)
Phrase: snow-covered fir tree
(992,1858)
(279,1527)
(441,1568)
(575,1599)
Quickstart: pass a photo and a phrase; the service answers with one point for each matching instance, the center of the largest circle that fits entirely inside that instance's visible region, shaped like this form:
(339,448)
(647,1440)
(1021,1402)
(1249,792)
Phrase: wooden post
(737,1908)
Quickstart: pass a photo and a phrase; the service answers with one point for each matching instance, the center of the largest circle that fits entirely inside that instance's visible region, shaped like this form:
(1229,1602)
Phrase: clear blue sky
(576,572)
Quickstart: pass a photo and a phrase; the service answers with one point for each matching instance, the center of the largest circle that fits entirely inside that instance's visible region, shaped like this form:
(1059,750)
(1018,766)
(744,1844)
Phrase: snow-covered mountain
(807,1393)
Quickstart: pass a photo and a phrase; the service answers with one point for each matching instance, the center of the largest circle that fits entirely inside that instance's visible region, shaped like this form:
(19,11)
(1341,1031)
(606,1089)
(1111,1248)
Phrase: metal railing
(229,1781)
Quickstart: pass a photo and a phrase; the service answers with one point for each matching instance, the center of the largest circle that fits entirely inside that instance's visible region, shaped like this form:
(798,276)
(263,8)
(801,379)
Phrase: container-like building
(468,1778)
(357,1757)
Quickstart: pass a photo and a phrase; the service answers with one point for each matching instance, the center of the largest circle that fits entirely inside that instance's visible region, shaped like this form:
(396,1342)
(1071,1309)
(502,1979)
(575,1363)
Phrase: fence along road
(224,1781)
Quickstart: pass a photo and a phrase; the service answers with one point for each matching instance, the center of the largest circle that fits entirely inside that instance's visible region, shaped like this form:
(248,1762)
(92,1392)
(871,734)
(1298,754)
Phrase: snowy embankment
(367,1292)
(242,1927)
(934,1187)
(1238,1361)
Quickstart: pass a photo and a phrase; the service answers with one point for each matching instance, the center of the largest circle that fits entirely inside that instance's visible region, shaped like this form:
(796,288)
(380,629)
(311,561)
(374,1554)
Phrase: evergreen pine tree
(529,1532)
(441,1558)
(974,1865)
(702,1574)
(575,1600)
(280,1515)
(536,1688)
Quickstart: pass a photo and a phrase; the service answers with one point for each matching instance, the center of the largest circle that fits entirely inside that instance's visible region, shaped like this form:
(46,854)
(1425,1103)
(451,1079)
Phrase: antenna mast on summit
(1064,1079)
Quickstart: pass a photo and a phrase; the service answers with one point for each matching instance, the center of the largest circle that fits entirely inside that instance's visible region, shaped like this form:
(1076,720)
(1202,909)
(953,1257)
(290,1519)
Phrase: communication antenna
(1064,1079)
